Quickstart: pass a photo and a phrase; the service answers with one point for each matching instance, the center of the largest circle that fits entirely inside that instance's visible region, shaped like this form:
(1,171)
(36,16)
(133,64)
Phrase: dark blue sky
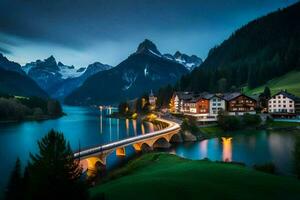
(80,32)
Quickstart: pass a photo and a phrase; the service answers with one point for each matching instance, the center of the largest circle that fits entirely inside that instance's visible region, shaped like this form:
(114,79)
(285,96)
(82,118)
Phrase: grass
(278,124)
(212,131)
(164,176)
(289,81)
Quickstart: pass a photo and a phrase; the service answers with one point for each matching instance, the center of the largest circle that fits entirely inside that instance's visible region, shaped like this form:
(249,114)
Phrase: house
(239,104)
(200,104)
(180,101)
(199,107)
(216,104)
(284,103)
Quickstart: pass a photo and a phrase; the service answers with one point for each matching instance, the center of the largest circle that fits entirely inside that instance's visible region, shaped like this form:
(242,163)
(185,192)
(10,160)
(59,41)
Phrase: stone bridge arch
(162,142)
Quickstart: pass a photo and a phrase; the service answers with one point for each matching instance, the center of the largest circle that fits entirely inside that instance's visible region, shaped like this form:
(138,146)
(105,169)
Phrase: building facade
(216,104)
(284,103)
(240,104)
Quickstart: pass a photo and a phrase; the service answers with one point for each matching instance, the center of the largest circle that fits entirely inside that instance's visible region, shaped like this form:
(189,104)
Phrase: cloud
(4,51)
(80,25)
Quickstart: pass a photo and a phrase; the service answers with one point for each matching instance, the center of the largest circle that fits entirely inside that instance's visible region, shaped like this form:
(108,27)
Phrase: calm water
(89,128)
(81,125)
(249,147)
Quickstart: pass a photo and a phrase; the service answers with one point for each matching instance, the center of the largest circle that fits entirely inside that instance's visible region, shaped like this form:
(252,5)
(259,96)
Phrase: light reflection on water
(227,149)
(85,126)
(249,147)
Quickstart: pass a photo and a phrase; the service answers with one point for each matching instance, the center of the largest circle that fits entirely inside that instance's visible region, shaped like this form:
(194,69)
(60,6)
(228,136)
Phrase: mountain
(142,71)
(9,65)
(14,81)
(68,85)
(190,62)
(265,48)
(48,72)
(59,79)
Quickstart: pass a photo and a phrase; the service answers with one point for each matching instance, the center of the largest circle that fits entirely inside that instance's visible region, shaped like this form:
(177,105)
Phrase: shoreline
(30,119)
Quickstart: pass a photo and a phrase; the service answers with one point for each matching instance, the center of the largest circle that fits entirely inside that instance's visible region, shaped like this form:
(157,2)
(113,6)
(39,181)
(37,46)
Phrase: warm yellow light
(151,117)
(134,116)
(227,149)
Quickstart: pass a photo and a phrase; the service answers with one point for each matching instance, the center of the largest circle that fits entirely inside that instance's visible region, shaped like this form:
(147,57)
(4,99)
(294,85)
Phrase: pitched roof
(185,95)
(203,95)
(288,95)
(230,96)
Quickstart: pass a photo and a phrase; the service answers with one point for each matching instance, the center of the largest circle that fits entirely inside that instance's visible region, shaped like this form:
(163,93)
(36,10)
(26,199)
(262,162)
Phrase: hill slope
(264,49)
(14,83)
(289,81)
(163,176)
(142,71)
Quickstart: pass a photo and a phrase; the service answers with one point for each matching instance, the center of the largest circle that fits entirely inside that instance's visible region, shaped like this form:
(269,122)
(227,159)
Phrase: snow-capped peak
(190,62)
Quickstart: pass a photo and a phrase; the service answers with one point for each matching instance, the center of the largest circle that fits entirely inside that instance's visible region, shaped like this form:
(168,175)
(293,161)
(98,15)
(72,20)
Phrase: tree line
(20,108)
(265,48)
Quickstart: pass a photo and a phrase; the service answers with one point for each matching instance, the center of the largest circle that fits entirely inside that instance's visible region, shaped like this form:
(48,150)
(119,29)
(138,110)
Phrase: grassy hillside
(164,176)
(261,50)
(290,81)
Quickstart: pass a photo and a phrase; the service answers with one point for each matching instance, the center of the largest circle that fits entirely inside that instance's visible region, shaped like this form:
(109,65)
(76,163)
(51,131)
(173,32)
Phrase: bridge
(95,156)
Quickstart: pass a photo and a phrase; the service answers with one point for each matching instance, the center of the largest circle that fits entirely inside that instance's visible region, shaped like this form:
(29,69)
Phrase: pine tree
(53,172)
(14,190)
(267,92)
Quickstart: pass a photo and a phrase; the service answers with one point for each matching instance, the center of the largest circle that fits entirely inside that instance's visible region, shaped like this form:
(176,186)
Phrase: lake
(82,126)
(86,127)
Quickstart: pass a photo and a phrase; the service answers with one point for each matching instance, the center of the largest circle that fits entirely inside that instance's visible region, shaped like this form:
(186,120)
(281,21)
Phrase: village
(205,107)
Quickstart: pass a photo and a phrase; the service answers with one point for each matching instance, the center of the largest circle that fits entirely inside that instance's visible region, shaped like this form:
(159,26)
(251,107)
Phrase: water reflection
(118,129)
(150,127)
(142,128)
(134,126)
(101,123)
(203,148)
(127,126)
(227,149)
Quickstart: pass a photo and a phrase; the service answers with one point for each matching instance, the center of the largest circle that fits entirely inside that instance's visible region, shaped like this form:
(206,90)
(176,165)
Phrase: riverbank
(164,176)
(208,132)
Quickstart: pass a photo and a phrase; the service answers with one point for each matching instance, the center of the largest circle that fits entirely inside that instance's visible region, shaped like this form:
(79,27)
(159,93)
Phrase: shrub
(251,120)
(267,168)
(189,125)
(229,123)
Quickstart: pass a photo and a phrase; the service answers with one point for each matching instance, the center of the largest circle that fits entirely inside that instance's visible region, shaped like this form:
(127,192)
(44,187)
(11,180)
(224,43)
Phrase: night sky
(80,32)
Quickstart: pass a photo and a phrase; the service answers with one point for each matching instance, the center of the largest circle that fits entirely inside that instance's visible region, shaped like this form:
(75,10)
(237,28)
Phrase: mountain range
(190,62)
(144,70)
(59,79)
(14,81)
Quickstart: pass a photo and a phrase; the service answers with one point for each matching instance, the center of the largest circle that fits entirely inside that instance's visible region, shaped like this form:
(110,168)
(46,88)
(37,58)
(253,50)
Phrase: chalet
(284,103)
(216,104)
(181,101)
(239,104)
(200,104)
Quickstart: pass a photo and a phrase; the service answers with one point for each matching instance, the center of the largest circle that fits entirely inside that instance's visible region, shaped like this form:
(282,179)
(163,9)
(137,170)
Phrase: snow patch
(130,78)
(154,53)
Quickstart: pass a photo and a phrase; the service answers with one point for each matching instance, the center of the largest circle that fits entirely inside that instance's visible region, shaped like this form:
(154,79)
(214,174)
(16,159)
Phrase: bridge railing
(172,126)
